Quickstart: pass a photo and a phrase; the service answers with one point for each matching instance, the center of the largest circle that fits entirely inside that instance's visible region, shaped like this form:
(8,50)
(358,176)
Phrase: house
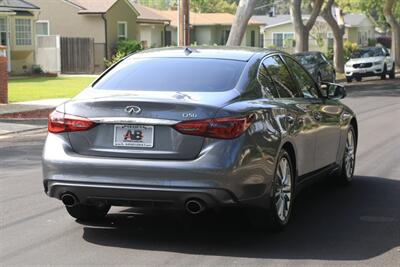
(17,32)
(278,31)
(104,21)
(210,28)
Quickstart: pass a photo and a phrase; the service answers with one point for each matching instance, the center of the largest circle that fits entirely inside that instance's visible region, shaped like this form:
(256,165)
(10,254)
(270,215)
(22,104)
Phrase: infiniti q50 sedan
(192,129)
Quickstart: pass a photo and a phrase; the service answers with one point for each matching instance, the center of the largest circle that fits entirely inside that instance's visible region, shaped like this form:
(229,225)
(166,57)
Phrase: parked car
(370,61)
(198,128)
(318,65)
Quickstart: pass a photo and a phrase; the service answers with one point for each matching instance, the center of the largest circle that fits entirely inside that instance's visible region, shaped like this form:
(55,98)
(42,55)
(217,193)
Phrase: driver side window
(305,82)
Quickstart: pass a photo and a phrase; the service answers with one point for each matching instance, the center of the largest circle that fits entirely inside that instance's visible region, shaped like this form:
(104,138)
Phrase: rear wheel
(345,175)
(392,73)
(281,199)
(89,213)
(282,192)
(383,75)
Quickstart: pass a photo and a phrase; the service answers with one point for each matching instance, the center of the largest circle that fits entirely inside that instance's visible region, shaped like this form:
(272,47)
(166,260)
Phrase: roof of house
(350,20)
(354,20)
(203,19)
(147,14)
(10,4)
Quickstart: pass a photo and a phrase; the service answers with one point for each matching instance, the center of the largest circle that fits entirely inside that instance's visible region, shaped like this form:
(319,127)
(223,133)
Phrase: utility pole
(183,23)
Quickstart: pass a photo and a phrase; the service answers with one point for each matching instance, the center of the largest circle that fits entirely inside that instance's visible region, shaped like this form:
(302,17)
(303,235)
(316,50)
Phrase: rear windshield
(173,74)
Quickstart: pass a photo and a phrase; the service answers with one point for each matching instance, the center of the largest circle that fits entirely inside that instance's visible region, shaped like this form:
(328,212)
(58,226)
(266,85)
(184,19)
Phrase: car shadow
(355,222)
(374,88)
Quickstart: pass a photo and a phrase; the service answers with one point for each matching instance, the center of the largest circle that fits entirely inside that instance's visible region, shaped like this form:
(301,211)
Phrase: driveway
(357,225)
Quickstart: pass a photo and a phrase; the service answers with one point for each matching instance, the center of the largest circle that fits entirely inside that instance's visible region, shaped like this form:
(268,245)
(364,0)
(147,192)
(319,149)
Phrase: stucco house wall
(120,12)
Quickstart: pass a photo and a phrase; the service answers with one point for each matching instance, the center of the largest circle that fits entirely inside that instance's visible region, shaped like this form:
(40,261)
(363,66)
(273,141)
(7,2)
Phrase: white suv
(369,61)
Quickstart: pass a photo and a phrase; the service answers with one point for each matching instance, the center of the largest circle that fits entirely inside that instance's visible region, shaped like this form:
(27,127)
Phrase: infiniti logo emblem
(133,109)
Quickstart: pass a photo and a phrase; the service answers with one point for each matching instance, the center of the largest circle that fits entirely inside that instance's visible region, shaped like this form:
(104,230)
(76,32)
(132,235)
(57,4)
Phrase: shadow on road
(356,222)
(374,88)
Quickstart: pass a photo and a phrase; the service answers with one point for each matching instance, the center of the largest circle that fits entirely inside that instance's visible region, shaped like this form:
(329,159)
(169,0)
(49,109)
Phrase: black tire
(319,79)
(263,219)
(349,79)
(88,213)
(383,75)
(392,73)
(358,79)
(344,175)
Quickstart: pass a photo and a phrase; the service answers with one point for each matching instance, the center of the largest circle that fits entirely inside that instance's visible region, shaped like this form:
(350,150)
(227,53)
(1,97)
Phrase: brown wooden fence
(77,55)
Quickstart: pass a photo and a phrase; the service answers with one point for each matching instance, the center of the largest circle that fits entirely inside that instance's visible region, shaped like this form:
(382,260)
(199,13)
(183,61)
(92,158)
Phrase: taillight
(221,128)
(60,122)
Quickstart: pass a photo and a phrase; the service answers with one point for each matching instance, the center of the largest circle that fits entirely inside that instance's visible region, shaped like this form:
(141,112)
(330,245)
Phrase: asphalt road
(357,225)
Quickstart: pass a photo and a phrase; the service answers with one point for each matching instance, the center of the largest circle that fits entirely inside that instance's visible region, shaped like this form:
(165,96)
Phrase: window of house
(225,36)
(122,30)
(279,39)
(253,38)
(23,32)
(3,31)
(42,28)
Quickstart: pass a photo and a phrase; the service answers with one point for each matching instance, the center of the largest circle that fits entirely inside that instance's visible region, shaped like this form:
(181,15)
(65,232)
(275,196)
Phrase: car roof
(222,52)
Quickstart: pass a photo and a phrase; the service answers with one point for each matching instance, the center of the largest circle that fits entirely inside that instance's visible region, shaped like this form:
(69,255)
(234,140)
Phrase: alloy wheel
(283,189)
(349,155)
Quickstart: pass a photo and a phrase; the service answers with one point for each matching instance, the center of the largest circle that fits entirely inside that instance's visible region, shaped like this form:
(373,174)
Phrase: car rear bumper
(218,180)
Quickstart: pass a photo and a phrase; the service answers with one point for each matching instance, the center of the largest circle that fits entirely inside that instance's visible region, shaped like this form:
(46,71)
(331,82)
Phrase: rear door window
(267,84)
(173,74)
(305,82)
(281,77)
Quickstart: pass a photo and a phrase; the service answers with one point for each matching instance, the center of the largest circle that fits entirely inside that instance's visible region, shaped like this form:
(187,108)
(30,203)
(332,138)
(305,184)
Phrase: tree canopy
(373,8)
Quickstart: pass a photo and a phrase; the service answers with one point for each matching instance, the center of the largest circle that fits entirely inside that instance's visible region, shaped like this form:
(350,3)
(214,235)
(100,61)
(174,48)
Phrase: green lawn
(44,88)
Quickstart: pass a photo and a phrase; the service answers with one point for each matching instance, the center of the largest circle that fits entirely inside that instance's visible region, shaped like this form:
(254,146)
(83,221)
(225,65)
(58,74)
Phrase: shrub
(349,48)
(124,48)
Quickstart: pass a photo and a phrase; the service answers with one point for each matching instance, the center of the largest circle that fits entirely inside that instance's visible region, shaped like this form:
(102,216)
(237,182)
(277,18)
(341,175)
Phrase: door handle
(317,116)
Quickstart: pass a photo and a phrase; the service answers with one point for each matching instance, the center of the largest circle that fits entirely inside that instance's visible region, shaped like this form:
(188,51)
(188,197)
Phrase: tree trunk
(242,17)
(184,27)
(338,32)
(301,31)
(395,28)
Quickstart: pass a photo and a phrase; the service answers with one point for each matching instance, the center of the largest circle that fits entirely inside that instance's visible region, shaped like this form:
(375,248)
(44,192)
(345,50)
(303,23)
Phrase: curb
(31,114)
(22,131)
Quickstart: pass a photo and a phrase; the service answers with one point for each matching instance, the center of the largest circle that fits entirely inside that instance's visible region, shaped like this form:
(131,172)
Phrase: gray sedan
(318,65)
(198,128)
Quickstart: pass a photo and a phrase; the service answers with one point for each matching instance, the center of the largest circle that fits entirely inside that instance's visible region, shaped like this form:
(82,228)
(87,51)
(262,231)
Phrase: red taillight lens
(59,122)
(222,128)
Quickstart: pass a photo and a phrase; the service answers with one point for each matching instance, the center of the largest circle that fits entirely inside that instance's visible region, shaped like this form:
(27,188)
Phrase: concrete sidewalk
(26,116)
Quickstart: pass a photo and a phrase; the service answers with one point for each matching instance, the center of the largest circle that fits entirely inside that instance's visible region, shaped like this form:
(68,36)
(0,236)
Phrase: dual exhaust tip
(195,206)
(69,200)
(192,206)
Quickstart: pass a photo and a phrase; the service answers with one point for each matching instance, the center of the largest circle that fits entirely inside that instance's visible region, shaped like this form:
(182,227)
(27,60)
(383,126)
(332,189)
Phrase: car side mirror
(333,90)
(387,54)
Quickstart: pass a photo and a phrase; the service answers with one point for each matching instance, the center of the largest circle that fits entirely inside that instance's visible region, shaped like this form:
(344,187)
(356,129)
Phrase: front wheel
(383,75)
(89,213)
(346,172)
(349,79)
(392,73)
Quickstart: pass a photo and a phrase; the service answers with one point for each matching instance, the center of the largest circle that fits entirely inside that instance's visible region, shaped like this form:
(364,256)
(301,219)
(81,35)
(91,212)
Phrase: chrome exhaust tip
(194,206)
(69,200)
